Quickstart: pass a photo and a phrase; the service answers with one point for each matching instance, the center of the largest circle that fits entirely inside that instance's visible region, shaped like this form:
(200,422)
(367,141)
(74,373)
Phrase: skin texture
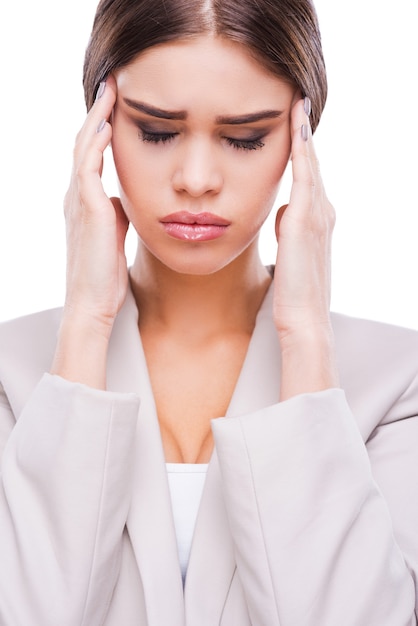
(198,170)
(197,299)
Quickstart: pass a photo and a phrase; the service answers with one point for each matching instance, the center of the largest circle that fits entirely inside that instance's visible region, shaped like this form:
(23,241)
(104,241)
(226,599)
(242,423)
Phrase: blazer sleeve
(314,537)
(65,472)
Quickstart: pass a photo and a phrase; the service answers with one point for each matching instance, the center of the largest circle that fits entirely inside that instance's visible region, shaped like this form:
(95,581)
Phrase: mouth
(203,219)
(194,226)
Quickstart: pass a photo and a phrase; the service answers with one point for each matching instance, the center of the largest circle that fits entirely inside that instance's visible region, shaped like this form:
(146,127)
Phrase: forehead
(207,69)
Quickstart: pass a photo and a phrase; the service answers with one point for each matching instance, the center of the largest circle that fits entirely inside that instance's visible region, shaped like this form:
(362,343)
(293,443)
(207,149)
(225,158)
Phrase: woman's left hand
(302,281)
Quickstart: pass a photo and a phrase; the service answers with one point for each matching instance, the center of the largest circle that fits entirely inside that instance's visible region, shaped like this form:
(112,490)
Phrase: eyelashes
(237,144)
(148,137)
(156,137)
(245,144)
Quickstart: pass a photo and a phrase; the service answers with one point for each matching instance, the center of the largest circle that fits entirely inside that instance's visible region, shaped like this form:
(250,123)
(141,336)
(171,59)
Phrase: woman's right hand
(97,273)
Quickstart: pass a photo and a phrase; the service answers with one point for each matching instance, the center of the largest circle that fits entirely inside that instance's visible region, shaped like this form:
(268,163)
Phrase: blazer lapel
(258,385)
(212,562)
(150,521)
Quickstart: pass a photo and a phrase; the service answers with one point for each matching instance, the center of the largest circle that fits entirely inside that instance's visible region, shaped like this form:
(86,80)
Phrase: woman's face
(201,138)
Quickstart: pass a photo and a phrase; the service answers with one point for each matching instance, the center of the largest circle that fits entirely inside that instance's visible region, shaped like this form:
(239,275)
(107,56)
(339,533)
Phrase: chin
(195,263)
(197,268)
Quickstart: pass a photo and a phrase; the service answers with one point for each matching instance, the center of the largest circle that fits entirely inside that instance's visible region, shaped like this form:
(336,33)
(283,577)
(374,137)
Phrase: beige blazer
(309,515)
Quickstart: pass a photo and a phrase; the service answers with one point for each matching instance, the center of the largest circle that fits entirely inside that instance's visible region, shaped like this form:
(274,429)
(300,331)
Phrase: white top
(186,481)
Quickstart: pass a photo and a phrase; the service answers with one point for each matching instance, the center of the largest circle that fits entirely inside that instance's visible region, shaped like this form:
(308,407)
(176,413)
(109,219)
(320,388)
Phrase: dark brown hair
(282,34)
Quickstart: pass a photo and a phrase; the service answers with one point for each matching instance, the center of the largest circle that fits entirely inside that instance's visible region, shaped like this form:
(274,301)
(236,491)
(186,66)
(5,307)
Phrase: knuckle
(77,143)
(332,215)
(67,203)
(329,210)
(71,203)
(81,172)
(78,136)
(312,176)
(323,224)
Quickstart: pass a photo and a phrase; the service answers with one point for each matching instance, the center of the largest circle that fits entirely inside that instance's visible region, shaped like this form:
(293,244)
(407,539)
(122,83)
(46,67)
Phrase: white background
(367,145)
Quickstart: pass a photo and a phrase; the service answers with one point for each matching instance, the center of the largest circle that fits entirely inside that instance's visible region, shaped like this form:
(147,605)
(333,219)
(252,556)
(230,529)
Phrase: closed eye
(164,137)
(156,137)
(245,144)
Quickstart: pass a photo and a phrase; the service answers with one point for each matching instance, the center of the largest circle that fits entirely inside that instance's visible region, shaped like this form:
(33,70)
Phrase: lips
(194,227)
(184,217)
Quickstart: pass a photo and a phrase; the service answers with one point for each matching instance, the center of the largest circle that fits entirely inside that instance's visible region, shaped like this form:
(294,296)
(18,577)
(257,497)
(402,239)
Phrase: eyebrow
(155,111)
(227,120)
(248,118)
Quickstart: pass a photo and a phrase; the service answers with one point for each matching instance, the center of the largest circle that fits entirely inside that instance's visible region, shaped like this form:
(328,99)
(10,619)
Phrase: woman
(199,395)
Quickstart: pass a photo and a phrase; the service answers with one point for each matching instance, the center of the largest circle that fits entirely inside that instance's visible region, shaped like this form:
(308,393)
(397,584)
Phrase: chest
(192,383)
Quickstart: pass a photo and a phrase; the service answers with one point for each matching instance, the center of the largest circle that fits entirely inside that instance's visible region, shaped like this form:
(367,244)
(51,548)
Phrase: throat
(195,342)
(203,305)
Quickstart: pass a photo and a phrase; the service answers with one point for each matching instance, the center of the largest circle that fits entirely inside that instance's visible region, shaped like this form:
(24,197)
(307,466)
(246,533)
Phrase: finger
(100,111)
(305,169)
(92,140)
(95,134)
(301,128)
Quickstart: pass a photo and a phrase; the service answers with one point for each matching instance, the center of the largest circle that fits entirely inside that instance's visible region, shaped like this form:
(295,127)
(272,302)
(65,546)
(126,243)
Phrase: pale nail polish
(100,90)
(101,126)
(304,132)
(307,105)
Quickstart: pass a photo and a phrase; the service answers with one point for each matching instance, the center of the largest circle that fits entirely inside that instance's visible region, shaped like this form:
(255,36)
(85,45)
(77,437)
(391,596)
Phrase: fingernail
(307,105)
(100,89)
(101,126)
(304,132)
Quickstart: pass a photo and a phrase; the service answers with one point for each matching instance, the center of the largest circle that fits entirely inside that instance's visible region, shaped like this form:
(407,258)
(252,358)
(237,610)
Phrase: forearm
(313,535)
(97,274)
(64,500)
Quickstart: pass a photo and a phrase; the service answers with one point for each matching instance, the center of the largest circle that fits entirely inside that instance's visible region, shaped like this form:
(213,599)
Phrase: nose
(198,171)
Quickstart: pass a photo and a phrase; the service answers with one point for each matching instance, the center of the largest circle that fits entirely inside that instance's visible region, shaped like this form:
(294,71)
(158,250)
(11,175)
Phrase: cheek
(134,168)
(274,157)
(137,174)
(121,158)
(261,192)
(267,175)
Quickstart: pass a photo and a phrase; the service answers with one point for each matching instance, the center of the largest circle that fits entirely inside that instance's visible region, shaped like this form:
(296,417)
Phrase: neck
(225,300)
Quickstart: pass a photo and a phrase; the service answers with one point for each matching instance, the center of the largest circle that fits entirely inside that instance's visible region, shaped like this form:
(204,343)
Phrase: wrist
(81,352)
(308,361)
(87,320)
